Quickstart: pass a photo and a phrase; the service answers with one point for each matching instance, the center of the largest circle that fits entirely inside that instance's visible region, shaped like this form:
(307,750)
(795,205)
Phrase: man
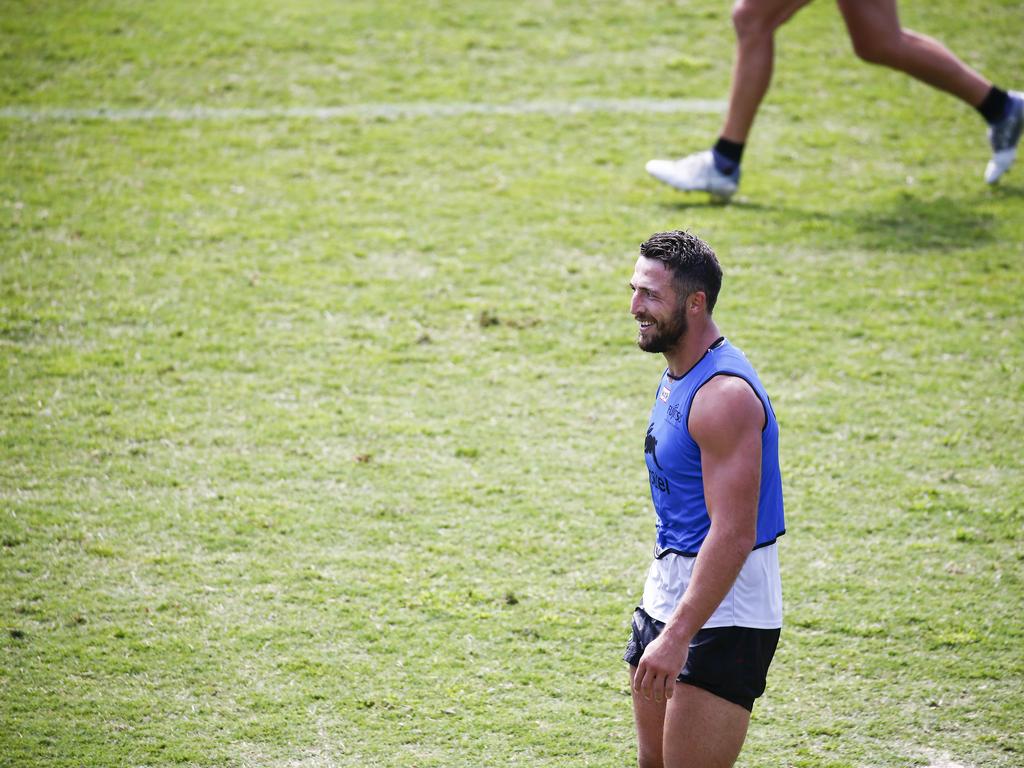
(711,614)
(878,38)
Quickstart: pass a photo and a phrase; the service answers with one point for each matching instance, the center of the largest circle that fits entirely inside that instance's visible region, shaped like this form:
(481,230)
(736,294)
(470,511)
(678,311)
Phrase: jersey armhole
(764,406)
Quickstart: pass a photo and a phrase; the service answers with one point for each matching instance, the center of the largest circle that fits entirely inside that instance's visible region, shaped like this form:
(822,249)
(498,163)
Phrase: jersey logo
(663,393)
(651,446)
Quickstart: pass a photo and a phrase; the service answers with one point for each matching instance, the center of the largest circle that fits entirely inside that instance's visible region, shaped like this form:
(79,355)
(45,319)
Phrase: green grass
(321,438)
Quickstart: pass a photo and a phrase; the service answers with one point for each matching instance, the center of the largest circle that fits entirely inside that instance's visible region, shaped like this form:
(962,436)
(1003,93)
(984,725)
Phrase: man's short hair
(693,264)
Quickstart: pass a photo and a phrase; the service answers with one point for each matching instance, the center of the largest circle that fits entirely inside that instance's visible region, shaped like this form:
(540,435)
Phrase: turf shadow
(908,223)
(898,222)
(707,202)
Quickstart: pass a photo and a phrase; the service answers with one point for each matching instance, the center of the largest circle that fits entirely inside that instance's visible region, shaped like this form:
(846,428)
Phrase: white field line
(421,109)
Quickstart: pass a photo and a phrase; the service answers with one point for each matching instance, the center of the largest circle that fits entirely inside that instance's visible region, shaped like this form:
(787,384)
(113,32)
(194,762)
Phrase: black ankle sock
(994,106)
(731,151)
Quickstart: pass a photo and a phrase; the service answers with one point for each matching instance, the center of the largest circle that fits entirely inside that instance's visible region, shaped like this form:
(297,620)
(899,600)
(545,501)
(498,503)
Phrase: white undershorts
(755,599)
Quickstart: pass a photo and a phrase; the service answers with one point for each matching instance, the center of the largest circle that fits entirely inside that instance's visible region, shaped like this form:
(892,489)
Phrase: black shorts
(731,662)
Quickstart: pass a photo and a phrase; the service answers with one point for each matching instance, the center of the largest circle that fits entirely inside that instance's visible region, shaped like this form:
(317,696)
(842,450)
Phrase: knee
(750,20)
(882,49)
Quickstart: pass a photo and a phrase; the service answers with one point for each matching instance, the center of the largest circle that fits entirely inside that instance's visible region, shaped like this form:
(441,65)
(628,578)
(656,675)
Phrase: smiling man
(706,630)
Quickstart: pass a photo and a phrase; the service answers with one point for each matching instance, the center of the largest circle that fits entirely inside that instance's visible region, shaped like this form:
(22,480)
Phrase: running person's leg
(755,22)
(718,170)
(878,38)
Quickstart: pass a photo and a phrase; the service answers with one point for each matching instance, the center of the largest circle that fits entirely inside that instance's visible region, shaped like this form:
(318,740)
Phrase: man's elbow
(746,539)
(741,534)
(744,536)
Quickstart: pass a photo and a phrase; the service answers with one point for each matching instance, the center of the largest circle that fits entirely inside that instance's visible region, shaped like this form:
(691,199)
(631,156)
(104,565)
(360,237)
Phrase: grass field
(322,436)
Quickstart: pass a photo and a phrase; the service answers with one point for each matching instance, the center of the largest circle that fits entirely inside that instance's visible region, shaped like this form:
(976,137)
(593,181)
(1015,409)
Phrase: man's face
(657,307)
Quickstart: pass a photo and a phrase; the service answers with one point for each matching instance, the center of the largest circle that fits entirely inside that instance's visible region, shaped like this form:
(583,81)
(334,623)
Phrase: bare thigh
(871,20)
(649,716)
(766,15)
(694,729)
(702,730)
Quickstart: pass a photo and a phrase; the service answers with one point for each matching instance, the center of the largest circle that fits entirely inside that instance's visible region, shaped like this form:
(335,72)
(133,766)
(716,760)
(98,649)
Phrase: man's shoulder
(727,403)
(725,391)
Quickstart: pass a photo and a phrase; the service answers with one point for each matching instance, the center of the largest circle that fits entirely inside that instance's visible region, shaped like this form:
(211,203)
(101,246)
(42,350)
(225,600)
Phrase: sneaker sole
(999,164)
(667,179)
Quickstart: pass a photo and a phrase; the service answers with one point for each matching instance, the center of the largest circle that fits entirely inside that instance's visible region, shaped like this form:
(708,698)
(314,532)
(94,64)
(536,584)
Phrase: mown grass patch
(321,438)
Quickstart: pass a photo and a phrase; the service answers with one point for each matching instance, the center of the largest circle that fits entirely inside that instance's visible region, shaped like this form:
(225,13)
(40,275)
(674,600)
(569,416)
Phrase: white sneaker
(1004,137)
(695,173)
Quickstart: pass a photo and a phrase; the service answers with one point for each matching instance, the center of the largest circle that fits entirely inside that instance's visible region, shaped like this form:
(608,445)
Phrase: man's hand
(659,667)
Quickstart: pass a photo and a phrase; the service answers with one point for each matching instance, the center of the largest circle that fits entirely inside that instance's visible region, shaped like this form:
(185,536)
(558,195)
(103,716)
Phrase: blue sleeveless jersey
(673,457)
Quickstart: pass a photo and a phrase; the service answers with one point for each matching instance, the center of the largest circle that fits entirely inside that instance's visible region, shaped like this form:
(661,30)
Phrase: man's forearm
(718,563)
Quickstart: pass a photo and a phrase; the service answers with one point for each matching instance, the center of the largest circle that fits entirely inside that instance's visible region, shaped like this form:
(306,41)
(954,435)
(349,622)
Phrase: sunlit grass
(322,439)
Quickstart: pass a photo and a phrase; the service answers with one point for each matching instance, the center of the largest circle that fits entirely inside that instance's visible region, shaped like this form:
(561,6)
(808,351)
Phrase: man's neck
(691,349)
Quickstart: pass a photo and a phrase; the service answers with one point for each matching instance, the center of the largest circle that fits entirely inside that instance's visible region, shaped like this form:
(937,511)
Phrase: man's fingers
(642,681)
(649,684)
(638,678)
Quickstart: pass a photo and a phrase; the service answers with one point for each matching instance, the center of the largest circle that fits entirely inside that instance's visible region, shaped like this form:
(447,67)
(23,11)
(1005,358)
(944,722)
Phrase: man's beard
(664,338)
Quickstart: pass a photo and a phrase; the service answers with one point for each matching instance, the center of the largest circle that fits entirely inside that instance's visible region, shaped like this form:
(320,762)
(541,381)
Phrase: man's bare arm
(726,419)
